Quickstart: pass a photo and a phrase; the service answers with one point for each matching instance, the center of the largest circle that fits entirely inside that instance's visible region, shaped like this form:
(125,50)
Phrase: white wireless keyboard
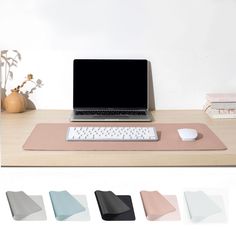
(111,134)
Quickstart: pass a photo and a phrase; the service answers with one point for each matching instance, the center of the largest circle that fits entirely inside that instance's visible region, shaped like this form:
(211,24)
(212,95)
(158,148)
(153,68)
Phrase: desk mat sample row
(114,207)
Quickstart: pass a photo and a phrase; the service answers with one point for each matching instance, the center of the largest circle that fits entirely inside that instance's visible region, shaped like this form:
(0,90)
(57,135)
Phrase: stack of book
(221,105)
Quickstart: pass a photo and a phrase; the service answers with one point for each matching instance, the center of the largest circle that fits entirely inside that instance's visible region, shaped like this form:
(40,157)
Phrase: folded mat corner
(114,207)
(65,205)
(21,204)
(155,204)
(200,205)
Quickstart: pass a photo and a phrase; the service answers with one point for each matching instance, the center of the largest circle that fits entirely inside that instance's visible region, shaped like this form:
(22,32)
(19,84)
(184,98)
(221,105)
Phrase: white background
(190,43)
(192,49)
(36,181)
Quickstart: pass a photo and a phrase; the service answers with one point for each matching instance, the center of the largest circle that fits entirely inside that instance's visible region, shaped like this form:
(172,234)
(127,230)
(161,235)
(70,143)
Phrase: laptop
(110,90)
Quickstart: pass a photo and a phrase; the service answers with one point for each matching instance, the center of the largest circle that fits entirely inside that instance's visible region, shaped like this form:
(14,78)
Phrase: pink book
(221,97)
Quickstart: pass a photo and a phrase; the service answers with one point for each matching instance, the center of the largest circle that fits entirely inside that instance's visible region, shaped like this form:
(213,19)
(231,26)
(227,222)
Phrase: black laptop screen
(103,83)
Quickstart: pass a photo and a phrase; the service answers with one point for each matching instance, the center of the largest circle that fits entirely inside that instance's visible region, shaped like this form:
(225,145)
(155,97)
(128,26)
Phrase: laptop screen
(110,83)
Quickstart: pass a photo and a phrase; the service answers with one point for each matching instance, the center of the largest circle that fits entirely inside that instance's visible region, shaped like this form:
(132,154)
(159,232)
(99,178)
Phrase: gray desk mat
(24,207)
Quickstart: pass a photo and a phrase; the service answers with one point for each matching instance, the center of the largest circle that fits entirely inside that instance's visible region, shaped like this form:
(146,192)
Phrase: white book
(223,105)
(221,113)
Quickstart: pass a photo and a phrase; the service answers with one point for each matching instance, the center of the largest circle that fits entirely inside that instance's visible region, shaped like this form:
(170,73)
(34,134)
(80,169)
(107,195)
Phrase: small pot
(15,102)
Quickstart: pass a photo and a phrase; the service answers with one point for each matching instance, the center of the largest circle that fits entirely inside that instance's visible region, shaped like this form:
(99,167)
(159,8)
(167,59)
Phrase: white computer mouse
(188,134)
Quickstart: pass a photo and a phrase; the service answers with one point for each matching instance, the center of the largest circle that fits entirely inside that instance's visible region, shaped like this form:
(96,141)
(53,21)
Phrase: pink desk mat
(52,137)
(160,207)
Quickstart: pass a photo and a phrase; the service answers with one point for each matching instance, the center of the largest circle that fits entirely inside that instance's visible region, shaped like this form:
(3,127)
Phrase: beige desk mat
(52,137)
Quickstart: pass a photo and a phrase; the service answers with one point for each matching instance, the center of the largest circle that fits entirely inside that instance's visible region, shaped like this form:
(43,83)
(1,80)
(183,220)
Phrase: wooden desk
(15,129)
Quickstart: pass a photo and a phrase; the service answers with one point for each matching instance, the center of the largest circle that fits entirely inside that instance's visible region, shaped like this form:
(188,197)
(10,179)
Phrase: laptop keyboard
(111,113)
(93,133)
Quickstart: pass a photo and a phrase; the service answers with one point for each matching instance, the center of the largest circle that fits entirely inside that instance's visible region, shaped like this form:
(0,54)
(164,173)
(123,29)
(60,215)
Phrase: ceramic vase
(15,102)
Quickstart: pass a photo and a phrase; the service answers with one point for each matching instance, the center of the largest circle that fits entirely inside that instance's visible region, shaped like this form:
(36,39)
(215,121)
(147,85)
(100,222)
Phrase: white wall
(190,43)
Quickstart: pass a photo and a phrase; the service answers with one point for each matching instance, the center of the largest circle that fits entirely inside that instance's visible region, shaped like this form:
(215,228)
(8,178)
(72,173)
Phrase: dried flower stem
(28,78)
(8,73)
